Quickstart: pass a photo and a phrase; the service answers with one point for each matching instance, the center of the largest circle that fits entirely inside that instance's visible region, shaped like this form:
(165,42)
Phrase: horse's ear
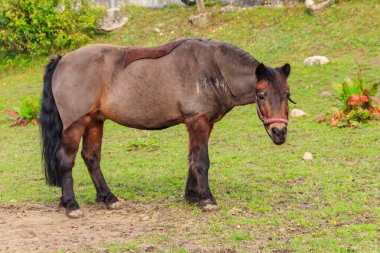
(261,72)
(286,69)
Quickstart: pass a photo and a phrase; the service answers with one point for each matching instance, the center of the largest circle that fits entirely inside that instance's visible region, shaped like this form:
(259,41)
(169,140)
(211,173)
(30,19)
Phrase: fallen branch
(316,7)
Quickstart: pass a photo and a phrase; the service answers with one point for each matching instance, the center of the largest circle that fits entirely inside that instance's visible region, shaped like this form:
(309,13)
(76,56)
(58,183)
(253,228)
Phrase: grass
(271,200)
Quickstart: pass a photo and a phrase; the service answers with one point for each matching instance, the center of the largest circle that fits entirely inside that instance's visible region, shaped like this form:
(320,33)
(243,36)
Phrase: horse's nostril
(275,131)
(278,132)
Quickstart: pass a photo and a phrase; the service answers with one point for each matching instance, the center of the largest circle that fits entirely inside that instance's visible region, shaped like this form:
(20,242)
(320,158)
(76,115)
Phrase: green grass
(329,204)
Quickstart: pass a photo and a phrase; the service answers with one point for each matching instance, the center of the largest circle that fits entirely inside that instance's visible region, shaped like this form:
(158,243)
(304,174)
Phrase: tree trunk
(201,6)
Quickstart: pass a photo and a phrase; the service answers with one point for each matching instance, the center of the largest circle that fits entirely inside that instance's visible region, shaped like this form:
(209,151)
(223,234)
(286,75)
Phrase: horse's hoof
(115,205)
(210,208)
(75,214)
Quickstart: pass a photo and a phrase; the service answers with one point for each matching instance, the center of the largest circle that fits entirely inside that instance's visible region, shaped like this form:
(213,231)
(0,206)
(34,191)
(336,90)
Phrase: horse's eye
(261,96)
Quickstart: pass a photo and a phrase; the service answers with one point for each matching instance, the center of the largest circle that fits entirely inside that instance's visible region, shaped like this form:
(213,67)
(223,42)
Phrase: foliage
(41,26)
(141,143)
(27,111)
(358,103)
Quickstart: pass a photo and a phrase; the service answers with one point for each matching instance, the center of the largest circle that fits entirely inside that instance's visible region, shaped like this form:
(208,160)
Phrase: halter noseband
(270,120)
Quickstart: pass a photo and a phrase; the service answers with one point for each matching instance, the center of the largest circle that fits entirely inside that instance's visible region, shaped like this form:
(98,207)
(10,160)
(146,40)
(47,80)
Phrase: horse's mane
(133,54)
(235,53)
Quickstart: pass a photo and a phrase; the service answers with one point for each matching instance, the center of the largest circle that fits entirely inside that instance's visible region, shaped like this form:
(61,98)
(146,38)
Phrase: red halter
(270,120)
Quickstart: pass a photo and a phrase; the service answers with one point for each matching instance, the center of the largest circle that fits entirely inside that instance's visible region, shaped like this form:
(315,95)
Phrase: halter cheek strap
(269,120)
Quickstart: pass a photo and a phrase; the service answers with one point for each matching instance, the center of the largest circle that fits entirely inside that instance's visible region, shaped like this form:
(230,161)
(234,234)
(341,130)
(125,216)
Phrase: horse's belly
(143,115)
(146,123)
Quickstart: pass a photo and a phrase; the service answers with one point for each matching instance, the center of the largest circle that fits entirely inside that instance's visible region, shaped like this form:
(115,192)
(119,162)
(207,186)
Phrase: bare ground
(43,228)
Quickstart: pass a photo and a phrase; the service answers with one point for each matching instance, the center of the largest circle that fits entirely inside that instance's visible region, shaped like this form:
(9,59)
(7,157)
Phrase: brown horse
(190,81)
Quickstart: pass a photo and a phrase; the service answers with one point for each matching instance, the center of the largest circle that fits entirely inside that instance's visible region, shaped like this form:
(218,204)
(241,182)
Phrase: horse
(191,81)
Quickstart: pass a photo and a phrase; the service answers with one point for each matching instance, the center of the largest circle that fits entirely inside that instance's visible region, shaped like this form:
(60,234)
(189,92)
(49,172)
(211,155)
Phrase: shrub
(358,103)
(352,93)
(27,111)
(42,26)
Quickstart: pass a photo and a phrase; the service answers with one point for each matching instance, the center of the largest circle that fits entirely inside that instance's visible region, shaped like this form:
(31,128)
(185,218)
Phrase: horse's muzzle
(278,134)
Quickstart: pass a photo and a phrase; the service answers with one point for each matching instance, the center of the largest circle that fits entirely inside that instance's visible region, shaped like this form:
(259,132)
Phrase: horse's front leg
(197,188)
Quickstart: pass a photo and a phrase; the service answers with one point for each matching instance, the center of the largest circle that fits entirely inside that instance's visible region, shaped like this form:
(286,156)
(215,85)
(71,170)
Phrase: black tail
(51,127)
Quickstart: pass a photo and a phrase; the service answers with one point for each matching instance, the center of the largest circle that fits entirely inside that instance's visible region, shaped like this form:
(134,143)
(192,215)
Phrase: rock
(297,113)
(189,2)
(210,208)
(113,20)
(141,3)
(116,205)
(326,93)
(268,3)
(307,156)
(316,7)
(235,211)
(200,19)
(171,198)
(316,60)
(76,214)
(229,8)
(145,218)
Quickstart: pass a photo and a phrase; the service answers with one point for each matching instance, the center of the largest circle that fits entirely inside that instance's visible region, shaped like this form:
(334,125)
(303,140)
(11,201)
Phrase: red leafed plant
(27,112)
(357,99)
(359,104)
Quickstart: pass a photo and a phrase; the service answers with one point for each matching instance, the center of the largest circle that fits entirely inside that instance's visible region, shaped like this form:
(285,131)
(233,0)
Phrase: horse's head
(272,95)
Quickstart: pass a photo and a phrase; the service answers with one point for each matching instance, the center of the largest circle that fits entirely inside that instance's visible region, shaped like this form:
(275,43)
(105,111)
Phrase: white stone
(326,93)
(297,113)
(316,60)
(75,214)
(154,3)
(307,156)
(229,8)
(210,208)
(315,7)
(113,19)
(200,19)
(255,3)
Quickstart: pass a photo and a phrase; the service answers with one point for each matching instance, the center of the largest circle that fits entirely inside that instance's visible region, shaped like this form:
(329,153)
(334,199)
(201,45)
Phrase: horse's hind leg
(197,188)
(91,153)
(66,156)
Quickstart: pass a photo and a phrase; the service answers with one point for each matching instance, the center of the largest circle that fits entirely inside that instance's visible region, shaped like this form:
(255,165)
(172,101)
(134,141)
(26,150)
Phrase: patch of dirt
(42,228)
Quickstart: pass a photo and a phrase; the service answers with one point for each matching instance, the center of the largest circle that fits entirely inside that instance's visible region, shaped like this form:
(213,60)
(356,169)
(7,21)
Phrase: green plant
(41,26)
(27,111)
(358,104)
(141,143)
(346,89)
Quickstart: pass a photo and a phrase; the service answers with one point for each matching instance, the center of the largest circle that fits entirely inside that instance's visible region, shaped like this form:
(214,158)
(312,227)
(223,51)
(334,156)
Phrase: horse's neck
(241,80)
